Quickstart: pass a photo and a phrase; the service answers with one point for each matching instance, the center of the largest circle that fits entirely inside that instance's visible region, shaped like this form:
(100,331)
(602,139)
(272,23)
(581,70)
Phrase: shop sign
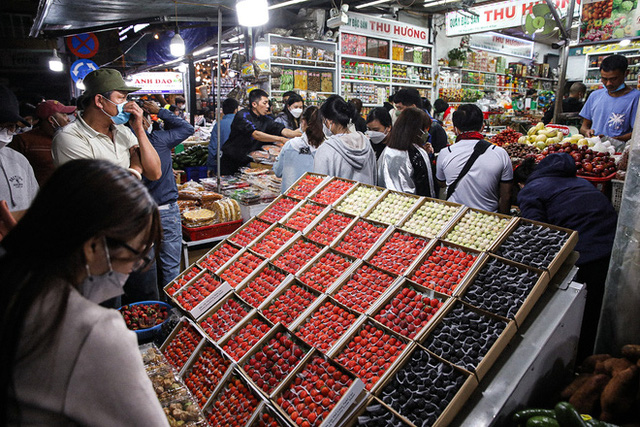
(157,82)
(497,16)
(24,59)
(385,28)
(495,42)
(609,20)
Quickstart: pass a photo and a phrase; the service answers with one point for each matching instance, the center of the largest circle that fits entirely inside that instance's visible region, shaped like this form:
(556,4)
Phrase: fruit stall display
(346,301)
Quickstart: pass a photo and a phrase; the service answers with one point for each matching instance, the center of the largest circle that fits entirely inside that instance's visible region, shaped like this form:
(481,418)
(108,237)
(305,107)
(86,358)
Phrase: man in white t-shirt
(487,184)
(100,131)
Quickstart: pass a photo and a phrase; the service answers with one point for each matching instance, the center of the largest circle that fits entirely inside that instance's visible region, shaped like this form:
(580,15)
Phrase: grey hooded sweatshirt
(347,156)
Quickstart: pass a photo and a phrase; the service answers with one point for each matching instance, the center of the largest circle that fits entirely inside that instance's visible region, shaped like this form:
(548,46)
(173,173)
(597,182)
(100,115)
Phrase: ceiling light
(139,27)
(236,38)
(625,42)
(262,49)
(252,13)
(156,36)
(177,45)
(182,68)
(55,63)
(80,84)
(371,3)
(286,3)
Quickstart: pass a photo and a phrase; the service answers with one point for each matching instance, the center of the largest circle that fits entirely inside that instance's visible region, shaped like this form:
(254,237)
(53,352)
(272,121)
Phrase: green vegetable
(567,415)
(522,416)
(626,6)
(542,421)
(616,3)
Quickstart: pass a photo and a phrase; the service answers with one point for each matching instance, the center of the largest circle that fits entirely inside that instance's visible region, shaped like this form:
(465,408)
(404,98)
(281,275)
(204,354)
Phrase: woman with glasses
(65,360)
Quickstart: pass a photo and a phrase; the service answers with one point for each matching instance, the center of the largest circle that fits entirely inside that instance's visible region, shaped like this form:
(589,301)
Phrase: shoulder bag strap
(479,149)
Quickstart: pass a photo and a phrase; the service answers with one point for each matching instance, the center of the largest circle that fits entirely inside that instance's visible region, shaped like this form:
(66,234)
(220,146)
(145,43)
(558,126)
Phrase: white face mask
(326,130)
(101,288)
(6,136)
(71,118)
(375,136)
(296,112)
(23,129)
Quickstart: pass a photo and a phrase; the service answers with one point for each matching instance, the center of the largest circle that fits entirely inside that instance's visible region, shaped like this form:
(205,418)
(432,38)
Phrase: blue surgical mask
(122,117)
(622,86)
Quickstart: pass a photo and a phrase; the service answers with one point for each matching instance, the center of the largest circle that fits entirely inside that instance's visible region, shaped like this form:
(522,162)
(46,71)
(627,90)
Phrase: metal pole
(192,90)
(564,59)
(217,92)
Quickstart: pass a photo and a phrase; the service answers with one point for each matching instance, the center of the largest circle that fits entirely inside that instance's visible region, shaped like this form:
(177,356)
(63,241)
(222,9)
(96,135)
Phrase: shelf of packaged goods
(407,84)
(472,71)
(364,58)
(317,67)
(411,64)
(365,81)
(306,90)
(363,75)
(500,74)
(372,105)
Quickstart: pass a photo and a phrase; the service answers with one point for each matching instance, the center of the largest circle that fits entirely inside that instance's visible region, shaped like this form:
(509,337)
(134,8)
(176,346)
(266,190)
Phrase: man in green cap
(99,131)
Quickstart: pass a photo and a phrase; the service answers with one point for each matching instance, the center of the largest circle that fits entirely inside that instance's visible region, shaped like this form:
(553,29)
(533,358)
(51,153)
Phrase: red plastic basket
(603,184)
(209,231)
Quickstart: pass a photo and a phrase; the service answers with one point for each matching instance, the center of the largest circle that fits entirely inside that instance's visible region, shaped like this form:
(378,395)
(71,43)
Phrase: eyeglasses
(144,257)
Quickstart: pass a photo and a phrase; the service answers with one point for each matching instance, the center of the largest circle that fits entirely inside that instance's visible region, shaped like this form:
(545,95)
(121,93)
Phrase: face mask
(326,130)
(120,118)
(296,112)
(71,118)
(619,88)
(375,136)
(5,136)
(58,127)
(398,112)
(105,286)
(23,130)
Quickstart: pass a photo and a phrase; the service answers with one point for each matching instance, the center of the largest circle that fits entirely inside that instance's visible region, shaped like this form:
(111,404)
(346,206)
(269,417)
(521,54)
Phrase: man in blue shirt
(611,111)
(229,109)
(145,286)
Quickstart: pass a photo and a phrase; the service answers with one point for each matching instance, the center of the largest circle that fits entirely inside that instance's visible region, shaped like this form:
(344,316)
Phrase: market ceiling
(65,17)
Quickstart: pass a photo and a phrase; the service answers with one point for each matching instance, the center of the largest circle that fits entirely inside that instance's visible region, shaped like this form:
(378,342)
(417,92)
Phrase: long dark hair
(43,256)
(336,109)
(406,130)
(291,121)
(314,132)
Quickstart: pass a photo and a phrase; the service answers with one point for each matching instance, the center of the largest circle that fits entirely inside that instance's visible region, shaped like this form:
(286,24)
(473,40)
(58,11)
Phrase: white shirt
(395,171)
(480,187)
(78,140)
(18,185)
(91,373)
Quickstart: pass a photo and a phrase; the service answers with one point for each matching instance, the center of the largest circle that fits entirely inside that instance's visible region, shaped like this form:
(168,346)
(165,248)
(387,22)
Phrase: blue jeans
(147,285)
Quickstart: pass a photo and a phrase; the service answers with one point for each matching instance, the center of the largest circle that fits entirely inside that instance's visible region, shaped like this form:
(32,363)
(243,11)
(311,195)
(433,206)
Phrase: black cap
(9,107)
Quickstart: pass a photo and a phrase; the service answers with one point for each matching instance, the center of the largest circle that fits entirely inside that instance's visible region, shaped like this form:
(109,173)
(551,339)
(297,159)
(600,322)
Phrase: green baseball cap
(105,80)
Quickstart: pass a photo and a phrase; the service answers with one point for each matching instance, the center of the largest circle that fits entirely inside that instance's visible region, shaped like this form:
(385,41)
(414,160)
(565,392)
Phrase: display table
(197,244)
(538,359)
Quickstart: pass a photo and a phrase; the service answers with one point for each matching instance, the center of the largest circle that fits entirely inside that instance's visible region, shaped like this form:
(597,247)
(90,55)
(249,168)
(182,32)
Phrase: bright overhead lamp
(182,68)
(176,47)
(55,63)
(286,3)
(625,42)
(252,13)
(372,3)
(262,49)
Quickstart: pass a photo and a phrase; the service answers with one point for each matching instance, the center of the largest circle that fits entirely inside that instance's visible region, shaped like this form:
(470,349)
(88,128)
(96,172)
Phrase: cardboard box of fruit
(223,317)
(262,283)
(250,231)
(306,185)
(360,199)
(242,265)
(477,229)
(326,269)
(332,191)
(292,301)
(398,251)
(328,227)
(245,335)
(206,371)
(505,288)
(361,237)
(181,343)
(296,254)
(304,215)
(200,293)
(431,217)
(279,208)
(469,337)
(375,412)
(273,239)
(392,208)
(235,403)
(215,259)
(179,282)
(537,244)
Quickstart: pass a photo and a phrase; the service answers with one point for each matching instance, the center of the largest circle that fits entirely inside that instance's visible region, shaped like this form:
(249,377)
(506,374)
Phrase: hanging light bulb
(177,45)
(252,13)
(55,63)
(261,50)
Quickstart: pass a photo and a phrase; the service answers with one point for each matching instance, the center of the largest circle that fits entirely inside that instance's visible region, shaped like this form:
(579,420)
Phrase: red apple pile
(219,257)
(205,374)
(305,186)
(234,406)
(242,267)
(325,271)
(289,305)
(278,209)
(588,162)
(243,340)
(408,312)
(399,251)
(370,353)
(181,281)
(314,393)
(249,232)
(329,228)
(360,238)
(272,241)
(364,288)
(261,287)
(332,191)
(297,256)
(325,326)
(182,345)
(224,319)
(271,364)
(444,269)
(304,216)
(195,293)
